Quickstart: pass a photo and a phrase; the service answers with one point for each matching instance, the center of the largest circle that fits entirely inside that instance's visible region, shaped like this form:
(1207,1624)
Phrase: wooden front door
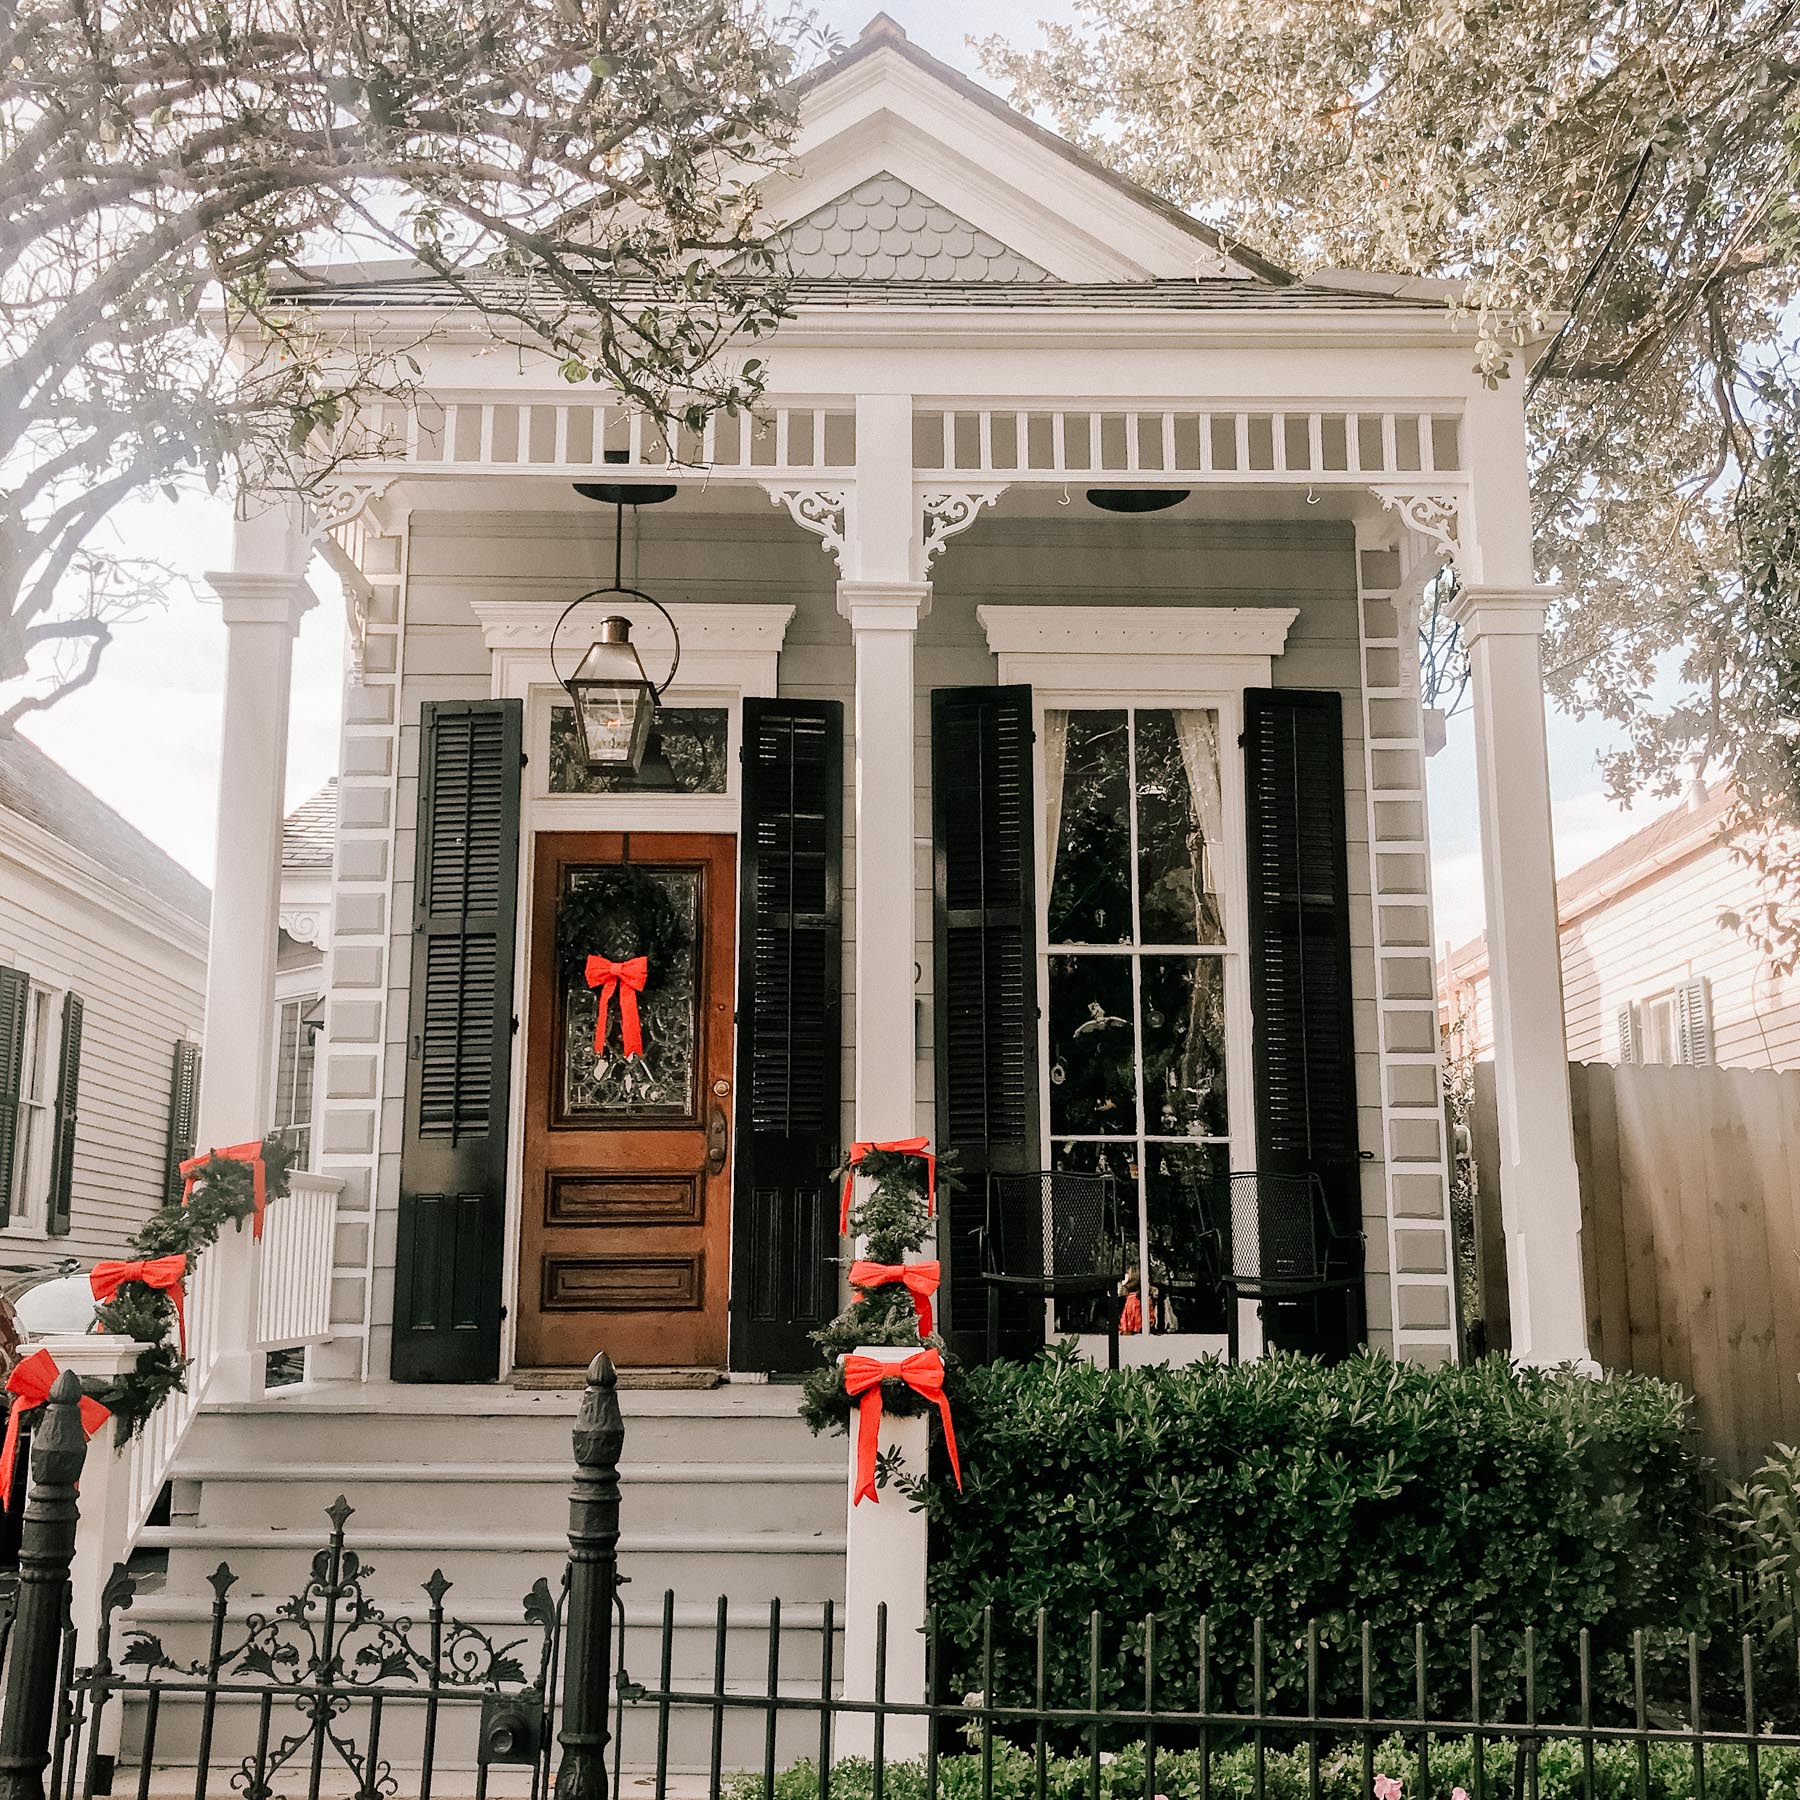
(626,1218)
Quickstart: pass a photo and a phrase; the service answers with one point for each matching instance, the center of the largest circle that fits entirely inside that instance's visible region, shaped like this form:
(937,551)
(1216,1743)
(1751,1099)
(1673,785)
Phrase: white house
(1656,967)
(1043,775)
(102,985)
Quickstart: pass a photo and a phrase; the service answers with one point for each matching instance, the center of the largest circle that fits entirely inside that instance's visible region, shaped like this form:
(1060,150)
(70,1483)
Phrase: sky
(144,737)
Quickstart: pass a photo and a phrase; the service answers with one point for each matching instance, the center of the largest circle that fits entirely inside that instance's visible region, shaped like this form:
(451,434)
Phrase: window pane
(1086,800)
(694,740)
(1180,1194)
(1184,1045)
(1093,1075)
(1179,822)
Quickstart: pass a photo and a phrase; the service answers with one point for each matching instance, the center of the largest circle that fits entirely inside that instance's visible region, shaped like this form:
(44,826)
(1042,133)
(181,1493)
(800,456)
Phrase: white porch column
(263,596)
(1540,1194)
(884,602)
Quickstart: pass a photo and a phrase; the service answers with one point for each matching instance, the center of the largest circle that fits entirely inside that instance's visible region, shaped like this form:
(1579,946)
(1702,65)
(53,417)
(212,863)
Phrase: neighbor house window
(295,1031)
(36,1148)
(1674,1026)
(1140,947)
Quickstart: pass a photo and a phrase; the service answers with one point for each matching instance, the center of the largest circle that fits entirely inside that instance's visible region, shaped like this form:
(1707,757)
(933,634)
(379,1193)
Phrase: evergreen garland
(893,1217)
(619,913)
(224,1194)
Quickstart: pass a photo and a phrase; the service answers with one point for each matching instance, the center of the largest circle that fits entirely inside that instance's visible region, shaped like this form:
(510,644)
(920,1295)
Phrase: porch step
(723,1491)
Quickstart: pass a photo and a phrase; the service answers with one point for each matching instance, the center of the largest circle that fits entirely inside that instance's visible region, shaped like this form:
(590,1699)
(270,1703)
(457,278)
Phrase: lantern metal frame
(621,495)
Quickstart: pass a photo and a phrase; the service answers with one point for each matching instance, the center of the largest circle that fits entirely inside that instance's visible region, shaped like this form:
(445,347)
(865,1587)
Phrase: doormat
(537,1380)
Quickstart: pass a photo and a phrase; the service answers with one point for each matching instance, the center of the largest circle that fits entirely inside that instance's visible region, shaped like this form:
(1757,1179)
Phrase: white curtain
(1197,732)
(1056,752)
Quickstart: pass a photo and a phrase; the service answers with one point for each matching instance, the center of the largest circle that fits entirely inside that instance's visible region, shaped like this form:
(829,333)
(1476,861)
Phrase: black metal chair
(1282,1245)
(1053,1233)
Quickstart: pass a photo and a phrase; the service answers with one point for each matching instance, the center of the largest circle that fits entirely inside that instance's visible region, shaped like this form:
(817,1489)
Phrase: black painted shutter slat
(789,1034)
(451,1233)
(984,920)
(184,1101)
(15,997)
(1300,966)
(67,1110)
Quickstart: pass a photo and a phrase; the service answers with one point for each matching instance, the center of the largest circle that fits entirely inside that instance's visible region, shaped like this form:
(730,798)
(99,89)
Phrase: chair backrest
(1275,1226)
(1054,1224)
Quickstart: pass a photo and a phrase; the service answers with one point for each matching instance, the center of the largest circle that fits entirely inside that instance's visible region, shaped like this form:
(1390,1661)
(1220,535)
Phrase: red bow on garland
(166,1273)
(923,1372)
(30,1384)
(626,979)
(898,1147)
(920,1279)
(244,1153)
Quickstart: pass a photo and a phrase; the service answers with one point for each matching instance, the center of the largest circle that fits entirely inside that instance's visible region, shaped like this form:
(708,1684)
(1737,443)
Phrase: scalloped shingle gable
(884,229)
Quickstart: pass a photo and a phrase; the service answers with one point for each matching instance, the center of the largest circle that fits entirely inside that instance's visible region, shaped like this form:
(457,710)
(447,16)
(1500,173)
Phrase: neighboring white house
(1655,967)
(102,987)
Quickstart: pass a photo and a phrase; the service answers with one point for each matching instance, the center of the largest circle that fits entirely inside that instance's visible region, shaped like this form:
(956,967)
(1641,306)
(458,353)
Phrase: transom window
(1140,942)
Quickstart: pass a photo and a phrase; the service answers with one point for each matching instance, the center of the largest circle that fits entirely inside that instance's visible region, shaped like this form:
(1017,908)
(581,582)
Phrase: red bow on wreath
(923,1372)
(165,1273)
(918,1146)
(626,979)
(244,1153)
(30,1384)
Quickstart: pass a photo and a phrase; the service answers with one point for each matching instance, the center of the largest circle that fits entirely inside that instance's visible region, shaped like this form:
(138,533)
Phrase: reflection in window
(1135,984)
(694,741)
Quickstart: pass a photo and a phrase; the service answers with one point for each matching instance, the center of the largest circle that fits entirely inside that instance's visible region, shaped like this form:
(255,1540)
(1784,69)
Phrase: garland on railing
(895,1220)
(223,1188)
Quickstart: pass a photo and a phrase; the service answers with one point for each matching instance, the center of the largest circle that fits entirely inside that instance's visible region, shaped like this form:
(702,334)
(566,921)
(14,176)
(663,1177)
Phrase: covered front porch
(1069,954)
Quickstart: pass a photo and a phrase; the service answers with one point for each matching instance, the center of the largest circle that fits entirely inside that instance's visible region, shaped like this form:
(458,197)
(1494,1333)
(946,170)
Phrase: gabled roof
(309,831)
(41,791)
(883,34)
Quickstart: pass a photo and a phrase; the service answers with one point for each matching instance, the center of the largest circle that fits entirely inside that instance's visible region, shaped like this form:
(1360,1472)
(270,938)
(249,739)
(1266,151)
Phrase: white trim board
(1172,648)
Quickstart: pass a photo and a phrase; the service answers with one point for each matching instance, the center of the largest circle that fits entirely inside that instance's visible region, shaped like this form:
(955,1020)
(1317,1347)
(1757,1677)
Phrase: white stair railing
(292,1270)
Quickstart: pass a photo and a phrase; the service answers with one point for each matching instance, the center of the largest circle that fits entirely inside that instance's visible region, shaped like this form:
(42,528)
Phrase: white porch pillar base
(886,1562)
(884,616)
(1540,1192)
(264,595)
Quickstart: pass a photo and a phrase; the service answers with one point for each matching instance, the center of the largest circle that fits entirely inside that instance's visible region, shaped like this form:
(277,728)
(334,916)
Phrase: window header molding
(1167,648)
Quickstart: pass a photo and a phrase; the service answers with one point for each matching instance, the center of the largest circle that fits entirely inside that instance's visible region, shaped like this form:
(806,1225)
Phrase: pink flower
(1386,1788)
(1459,1794)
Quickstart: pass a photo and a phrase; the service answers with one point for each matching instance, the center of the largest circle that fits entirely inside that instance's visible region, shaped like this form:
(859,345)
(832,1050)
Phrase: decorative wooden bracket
(950,510)
(824,511)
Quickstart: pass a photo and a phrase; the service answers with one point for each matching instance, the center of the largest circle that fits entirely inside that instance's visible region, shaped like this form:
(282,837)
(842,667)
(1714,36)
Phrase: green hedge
(1289,1491)
(1560,1775)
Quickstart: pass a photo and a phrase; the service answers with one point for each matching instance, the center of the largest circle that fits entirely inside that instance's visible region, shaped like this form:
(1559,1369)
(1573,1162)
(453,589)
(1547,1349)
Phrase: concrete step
(501,1564)
(380,1423)
(732,1497)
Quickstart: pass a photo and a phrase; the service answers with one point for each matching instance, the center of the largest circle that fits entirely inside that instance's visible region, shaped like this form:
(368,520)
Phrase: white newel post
(885,1563)
(884,600)
(263,596)
(1540,1191)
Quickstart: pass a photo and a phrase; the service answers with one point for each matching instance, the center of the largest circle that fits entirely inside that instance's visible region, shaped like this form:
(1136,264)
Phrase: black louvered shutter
(1305,1049)
(984,929)
(68,1107)
(451,1237)
(184,1104)
(15,997)
(789,1038)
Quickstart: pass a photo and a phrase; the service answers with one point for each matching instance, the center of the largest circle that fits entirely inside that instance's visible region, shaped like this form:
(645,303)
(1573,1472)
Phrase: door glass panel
(611,1088)
(1184,1045)
(1093,1069)
(1179,825)
(1087,1312)
(1089,800)
(1182,1193)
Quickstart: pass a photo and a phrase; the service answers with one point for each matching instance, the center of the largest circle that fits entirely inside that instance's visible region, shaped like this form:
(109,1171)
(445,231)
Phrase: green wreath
(619,913)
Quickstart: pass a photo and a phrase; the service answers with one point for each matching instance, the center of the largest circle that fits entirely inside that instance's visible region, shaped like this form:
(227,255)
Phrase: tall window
(1140,984)
(35,1153)
(294,1077)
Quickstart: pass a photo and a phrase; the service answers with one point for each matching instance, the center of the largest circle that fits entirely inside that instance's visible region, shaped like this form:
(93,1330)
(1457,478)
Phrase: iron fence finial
(593,1578)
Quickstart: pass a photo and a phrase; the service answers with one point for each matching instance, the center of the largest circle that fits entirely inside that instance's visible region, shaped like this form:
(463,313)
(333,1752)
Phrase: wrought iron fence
(324,1693)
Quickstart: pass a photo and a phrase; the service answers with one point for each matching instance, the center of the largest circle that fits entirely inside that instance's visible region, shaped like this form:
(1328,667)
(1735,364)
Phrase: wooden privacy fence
(1690,1237)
